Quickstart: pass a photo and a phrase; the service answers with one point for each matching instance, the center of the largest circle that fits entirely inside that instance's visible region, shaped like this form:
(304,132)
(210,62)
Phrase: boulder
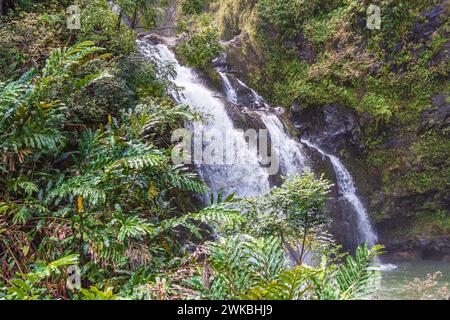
(438,116)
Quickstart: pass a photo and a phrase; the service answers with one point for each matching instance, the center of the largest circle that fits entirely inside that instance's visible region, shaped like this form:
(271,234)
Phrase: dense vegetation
(87,179)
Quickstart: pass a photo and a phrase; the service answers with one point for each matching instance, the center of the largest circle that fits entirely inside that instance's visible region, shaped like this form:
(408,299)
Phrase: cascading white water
(229,90)
(291,154)
(348,190)
(294,161)
(247,180)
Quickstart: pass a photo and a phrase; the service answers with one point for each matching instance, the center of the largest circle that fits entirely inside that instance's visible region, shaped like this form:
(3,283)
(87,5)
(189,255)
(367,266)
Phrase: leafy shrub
(35,284)
(100,25)
(89,196)
(192,6)
(26,40)
(243,267)
(201,48)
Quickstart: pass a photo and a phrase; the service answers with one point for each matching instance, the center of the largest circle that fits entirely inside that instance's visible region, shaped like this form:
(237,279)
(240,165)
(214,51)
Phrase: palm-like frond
(293,284)
(31,117)
(356,278)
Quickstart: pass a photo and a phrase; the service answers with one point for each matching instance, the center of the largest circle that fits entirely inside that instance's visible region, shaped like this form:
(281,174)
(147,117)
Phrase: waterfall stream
(229,90)
(250,179)
(291,153)
(348,190)
(294,161)
(227,178)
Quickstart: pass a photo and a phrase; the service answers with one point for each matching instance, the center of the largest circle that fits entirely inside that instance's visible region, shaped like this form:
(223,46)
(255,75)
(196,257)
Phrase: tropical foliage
(91,205)
(201,48)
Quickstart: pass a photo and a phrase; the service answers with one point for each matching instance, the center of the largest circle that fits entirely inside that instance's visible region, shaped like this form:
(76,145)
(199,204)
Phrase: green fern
(356,278)
(31,118)
(30,286)
(293,284)
(93,293)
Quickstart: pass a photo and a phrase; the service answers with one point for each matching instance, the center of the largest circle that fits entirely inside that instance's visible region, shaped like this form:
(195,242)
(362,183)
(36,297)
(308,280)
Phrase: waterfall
(348,190)
(294,161)
(247,180)
(291,153)
(229,90)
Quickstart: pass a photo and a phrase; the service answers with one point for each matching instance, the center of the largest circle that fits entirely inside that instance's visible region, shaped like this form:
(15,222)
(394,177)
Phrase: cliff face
(378,98)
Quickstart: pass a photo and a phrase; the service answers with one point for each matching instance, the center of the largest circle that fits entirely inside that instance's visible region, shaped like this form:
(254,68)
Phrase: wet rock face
(333,127)
(243,117)
(242,58)
(343,223)
(244,95)
(419,248)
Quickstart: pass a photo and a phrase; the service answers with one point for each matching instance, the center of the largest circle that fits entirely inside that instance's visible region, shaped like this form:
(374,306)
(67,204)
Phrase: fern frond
(289,285)
(356,277)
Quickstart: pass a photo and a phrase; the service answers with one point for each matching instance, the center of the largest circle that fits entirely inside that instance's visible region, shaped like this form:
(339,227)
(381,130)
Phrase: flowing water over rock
(347,190)
(294,161)
(249,179)
(229,90)
(291,153)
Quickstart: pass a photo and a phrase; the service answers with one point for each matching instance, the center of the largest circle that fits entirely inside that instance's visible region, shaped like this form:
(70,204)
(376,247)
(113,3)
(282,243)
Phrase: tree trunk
(6,5)
(119,21)
(135,17)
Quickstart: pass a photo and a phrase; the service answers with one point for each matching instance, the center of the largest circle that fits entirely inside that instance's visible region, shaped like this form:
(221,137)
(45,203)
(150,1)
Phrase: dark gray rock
(296,108)
(422,31)
(343,223)
(246,97)
(420,248)
(438,116)
(332,127)
(221,62)
(243,117)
